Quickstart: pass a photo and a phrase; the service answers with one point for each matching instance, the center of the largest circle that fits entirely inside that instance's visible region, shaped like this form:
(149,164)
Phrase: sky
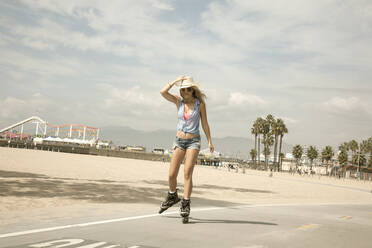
(103,63)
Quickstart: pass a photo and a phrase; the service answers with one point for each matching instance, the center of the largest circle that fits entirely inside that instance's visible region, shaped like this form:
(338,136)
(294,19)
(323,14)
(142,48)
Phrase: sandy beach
(45,185)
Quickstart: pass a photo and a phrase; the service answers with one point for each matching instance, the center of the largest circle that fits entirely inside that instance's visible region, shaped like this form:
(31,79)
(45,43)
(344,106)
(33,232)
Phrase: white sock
(172,192)
(187,199)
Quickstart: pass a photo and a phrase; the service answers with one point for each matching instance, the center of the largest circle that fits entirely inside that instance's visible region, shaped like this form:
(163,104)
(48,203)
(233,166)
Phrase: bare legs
(191,156)
(178,156)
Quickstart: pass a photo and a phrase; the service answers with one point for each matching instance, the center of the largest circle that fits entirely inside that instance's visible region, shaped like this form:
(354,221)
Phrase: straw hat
(188,82)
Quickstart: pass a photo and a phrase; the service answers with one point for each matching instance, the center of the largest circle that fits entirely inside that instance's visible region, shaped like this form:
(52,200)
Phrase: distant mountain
(230,146)
(128,136)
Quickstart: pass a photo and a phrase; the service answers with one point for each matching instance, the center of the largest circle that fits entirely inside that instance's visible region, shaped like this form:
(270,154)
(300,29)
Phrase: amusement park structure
(44,131)
(36,133)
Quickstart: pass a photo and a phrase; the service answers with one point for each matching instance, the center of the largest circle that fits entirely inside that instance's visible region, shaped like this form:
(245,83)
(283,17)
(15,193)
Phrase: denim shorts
(193,143)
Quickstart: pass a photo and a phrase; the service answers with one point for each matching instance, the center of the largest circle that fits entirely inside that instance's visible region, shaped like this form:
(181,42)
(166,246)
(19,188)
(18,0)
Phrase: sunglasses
(186,89)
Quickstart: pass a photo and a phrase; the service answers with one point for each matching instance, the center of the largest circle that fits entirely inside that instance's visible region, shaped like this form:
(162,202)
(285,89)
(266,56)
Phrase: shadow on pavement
(211,186)
(193,220)
(19,184)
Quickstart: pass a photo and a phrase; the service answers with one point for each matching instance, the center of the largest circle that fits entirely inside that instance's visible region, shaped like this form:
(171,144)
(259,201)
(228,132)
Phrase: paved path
(277,225)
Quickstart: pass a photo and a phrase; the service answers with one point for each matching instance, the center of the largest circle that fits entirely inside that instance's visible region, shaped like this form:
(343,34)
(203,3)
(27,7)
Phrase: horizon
(249,137)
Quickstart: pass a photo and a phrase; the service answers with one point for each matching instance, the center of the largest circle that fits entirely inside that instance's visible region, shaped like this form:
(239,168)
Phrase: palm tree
(255,131)
(260,121)
(281,156)
(353,146)
(312,153)
(253,154)
(268,139)
(344,147)
(282,130)
(342,157)
(364,146)
(327,154)
(297,154)
(370,152)
(276,130)
(360,158)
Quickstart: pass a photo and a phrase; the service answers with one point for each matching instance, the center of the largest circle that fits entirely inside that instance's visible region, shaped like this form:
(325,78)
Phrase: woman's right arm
(172,98)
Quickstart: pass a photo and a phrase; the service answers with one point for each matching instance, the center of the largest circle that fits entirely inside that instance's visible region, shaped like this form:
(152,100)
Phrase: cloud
(339,104)
(23,63)
(104,62)
(331,90)
(10,106)
(238,98)
(134,107)
(51,35)
(161,5)
(120,29)
(141,105)
(15,108)
(348,105)
(289,120)
(288,32)
(127,98)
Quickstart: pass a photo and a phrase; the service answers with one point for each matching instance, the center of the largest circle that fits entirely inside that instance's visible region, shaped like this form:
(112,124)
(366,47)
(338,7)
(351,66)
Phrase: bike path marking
(308,226)
(75,243)
(346,217)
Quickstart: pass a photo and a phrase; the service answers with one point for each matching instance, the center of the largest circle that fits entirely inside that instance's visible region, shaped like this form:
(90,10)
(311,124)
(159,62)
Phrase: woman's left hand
(211,147)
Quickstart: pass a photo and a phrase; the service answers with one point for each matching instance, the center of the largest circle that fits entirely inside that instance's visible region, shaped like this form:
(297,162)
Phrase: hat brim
(185,86)
(189,85)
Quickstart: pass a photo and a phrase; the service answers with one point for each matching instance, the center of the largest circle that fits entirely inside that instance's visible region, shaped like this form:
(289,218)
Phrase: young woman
(191,109)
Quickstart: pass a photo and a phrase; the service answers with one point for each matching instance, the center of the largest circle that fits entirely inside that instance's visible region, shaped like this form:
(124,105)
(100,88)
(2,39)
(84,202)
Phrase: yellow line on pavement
(346,217)
(308,226)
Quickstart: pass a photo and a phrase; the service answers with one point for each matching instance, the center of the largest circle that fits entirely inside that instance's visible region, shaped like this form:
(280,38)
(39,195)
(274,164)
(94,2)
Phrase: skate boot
(170,200)
(185,210)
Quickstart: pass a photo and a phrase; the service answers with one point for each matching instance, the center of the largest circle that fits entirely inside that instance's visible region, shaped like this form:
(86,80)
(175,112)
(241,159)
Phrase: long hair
(199,94)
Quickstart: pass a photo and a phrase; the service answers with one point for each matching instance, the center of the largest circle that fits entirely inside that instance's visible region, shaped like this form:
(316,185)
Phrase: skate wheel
(185,220)
(162,210)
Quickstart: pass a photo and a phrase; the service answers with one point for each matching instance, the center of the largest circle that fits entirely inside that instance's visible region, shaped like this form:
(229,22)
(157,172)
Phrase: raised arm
(170,97)
(205,125)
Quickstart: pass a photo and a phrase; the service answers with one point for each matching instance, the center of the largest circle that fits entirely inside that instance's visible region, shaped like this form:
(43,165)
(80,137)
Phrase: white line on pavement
(13,234)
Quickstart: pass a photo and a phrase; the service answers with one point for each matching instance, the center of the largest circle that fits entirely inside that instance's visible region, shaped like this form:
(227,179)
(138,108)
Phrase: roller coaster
(41,131)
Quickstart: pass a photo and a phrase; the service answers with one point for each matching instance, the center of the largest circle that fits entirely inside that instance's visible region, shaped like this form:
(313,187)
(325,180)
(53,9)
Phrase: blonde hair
(199,94)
